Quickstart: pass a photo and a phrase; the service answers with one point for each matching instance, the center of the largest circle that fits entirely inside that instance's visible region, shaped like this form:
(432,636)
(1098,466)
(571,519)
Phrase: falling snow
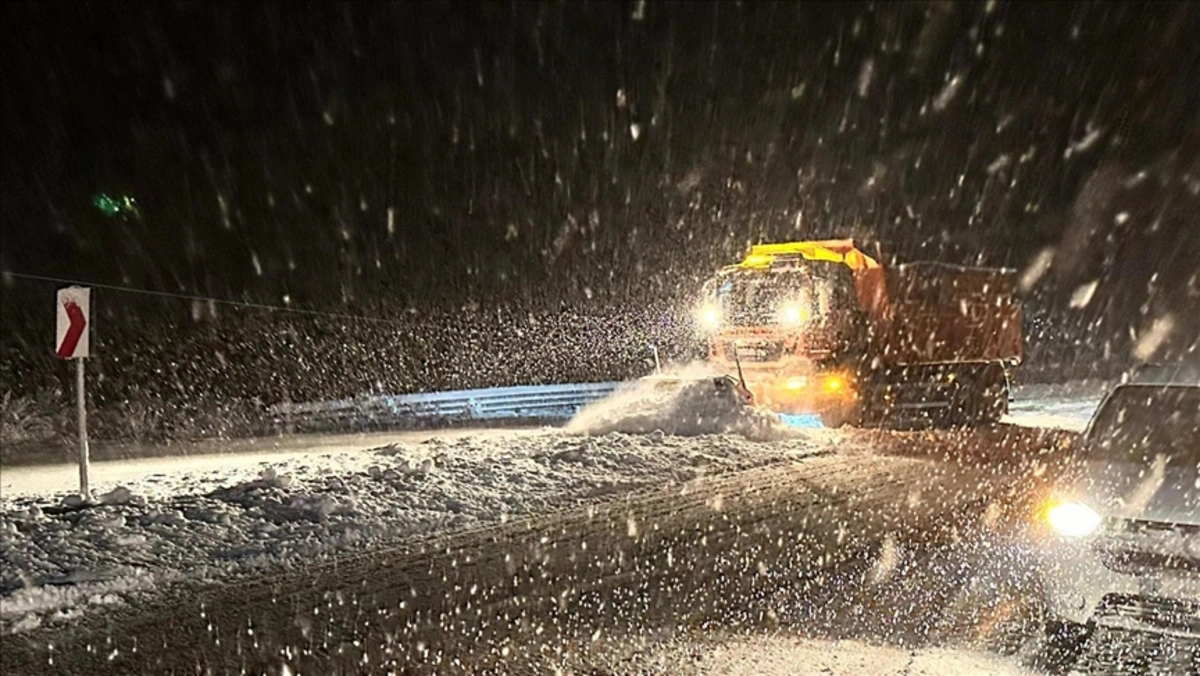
(1083,294)
(1153,337)
(558,181)
(948,92)
(1085,143)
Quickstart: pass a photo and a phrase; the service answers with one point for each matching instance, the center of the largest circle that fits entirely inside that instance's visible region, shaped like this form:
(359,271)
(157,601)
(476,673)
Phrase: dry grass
(27,419)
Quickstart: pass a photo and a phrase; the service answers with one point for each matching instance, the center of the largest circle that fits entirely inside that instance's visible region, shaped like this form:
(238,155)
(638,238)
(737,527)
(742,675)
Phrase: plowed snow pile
(693,407)
(57,558)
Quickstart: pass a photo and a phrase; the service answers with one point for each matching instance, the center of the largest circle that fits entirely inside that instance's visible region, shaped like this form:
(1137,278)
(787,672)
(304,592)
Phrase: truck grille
(754,350)
(1151,612)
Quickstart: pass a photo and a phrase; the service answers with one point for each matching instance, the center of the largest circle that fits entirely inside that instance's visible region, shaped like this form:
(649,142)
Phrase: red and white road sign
(73,322)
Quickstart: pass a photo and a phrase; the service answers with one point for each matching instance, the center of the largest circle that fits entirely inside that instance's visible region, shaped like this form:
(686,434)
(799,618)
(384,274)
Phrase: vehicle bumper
(830,395)
(1085,582)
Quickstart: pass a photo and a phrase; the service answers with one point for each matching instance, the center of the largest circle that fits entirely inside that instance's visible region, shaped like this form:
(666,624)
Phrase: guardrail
(532,402)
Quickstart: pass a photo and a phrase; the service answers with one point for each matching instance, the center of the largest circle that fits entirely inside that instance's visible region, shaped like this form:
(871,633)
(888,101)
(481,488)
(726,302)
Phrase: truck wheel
(993,407)
(875,407)
(980,398)
(963,403)
(992,402)
(838,418)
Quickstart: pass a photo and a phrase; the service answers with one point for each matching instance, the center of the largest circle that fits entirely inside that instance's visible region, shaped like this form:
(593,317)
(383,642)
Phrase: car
(1119,536)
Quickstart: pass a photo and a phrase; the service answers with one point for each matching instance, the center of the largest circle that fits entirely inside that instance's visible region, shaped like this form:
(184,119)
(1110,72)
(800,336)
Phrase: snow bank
(1067,406)
(57,559)
(684,405)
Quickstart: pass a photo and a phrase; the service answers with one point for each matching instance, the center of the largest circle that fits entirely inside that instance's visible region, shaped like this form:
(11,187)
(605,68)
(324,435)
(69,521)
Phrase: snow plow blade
(801,420)
(804,418)
(721,385)
(731,386)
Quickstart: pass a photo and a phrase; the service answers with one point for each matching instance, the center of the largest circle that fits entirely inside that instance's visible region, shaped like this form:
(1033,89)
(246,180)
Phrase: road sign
(73,322)
(74,304)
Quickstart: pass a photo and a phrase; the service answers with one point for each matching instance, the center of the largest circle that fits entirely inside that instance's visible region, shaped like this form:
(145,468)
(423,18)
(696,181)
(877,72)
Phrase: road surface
(892,550)
(775,548)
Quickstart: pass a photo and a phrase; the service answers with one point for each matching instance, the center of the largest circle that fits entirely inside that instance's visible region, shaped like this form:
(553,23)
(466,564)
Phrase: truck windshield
(1138,423)
(757,298)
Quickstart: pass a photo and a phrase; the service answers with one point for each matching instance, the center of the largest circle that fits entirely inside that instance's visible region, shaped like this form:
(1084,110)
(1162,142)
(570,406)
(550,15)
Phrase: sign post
(73,342)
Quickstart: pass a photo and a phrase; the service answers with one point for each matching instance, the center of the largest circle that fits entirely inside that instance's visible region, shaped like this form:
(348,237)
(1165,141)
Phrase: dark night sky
(369,154)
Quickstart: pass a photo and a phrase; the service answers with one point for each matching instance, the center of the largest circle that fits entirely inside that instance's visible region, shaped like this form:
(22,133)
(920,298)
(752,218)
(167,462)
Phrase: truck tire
(991,395)
(993,404)
(979,397)
(873,409)
(959,395)
(841,417)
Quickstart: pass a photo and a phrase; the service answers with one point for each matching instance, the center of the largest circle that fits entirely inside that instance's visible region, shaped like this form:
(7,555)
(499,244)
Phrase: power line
(204,299)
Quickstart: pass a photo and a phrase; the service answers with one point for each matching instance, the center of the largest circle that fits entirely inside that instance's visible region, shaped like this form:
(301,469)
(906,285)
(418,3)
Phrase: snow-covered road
(709,546)
(291,503)
(1067,406)
(284,500)
(226,516)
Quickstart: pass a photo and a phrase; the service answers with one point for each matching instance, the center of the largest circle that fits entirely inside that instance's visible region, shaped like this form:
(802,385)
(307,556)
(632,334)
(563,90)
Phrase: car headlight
(794,314)
(1073,519)
(709,316)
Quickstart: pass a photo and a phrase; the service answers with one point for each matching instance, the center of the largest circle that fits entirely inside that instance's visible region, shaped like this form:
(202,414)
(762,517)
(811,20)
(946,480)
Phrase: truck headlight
(794,314)
(709,316)
(1073,519)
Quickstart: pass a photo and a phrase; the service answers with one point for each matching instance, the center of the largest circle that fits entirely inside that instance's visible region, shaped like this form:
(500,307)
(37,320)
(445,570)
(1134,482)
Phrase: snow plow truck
(821,328)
